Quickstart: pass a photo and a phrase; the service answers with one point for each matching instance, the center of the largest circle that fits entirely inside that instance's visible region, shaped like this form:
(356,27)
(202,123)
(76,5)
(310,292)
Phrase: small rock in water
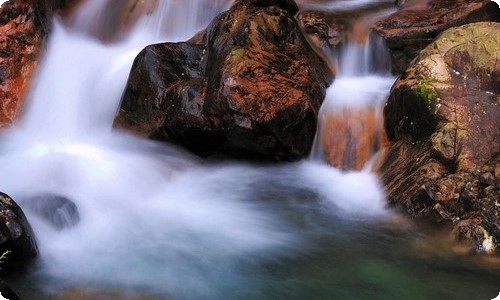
(6,292)
(17,241)
(59,211)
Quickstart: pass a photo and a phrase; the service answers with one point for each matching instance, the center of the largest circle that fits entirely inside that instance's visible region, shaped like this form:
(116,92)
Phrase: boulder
(24,26)
(17,240)
(443,120)
(417,24)
(249,87)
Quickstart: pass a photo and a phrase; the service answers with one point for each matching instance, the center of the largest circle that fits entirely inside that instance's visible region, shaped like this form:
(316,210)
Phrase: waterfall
(350,119)
(153,218)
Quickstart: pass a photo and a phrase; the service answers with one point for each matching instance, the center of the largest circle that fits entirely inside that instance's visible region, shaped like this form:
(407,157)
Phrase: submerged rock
(418,23)
(17,240)
(442,119)
(24,26)
(250,86)
(58,211)
(351,136)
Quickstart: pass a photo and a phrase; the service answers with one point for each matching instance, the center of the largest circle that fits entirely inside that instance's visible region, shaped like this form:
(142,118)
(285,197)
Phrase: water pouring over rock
(149,219)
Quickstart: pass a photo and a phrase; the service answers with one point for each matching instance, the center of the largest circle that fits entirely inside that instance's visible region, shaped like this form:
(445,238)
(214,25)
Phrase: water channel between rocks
(156,223)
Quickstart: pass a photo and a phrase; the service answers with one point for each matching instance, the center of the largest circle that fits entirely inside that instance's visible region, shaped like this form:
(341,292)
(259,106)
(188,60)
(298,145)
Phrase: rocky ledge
(418,23)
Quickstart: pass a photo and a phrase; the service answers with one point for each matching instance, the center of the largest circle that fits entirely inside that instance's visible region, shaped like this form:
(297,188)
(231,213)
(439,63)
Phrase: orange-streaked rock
(351,137)
(20,42)
(24,27)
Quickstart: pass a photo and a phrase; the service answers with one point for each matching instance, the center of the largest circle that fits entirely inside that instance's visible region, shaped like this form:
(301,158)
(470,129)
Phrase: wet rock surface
(351,137)
(418,23)
(17,240)
(249,87)
(443,121)
(24,26)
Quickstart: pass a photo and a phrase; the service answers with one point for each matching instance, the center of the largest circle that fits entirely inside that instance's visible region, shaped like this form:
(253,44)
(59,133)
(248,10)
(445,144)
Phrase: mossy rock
(443,121)
(460,58)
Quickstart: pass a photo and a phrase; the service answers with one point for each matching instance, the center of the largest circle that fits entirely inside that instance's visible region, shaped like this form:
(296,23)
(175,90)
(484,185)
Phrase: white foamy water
(357,92)
(153,218)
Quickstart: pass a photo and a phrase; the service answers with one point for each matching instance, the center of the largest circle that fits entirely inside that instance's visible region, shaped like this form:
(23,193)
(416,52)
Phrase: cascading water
(350,116)
(150,218)
(157,222)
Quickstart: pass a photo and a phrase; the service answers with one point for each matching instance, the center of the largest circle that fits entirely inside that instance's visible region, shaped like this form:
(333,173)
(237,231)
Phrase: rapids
(156,221)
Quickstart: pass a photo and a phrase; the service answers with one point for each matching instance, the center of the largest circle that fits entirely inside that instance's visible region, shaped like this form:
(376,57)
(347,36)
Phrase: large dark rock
(417,24)
(443,121)
(250,86)
(24,27)
(16,235)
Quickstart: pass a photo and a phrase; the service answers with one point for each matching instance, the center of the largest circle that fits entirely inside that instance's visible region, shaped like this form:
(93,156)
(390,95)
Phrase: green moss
(428,94)
(239,53)
(236,59)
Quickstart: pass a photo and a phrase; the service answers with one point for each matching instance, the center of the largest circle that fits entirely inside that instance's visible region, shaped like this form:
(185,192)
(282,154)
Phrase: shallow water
(156,221)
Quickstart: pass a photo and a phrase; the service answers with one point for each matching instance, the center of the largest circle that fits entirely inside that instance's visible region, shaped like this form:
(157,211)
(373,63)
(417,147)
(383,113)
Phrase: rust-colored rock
(20,44)
(418,23)
(24,26)
(351,136)
(252,88)
(443,121)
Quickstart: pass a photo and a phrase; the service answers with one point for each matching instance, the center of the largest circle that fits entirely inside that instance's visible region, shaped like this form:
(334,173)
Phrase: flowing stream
(157,222)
